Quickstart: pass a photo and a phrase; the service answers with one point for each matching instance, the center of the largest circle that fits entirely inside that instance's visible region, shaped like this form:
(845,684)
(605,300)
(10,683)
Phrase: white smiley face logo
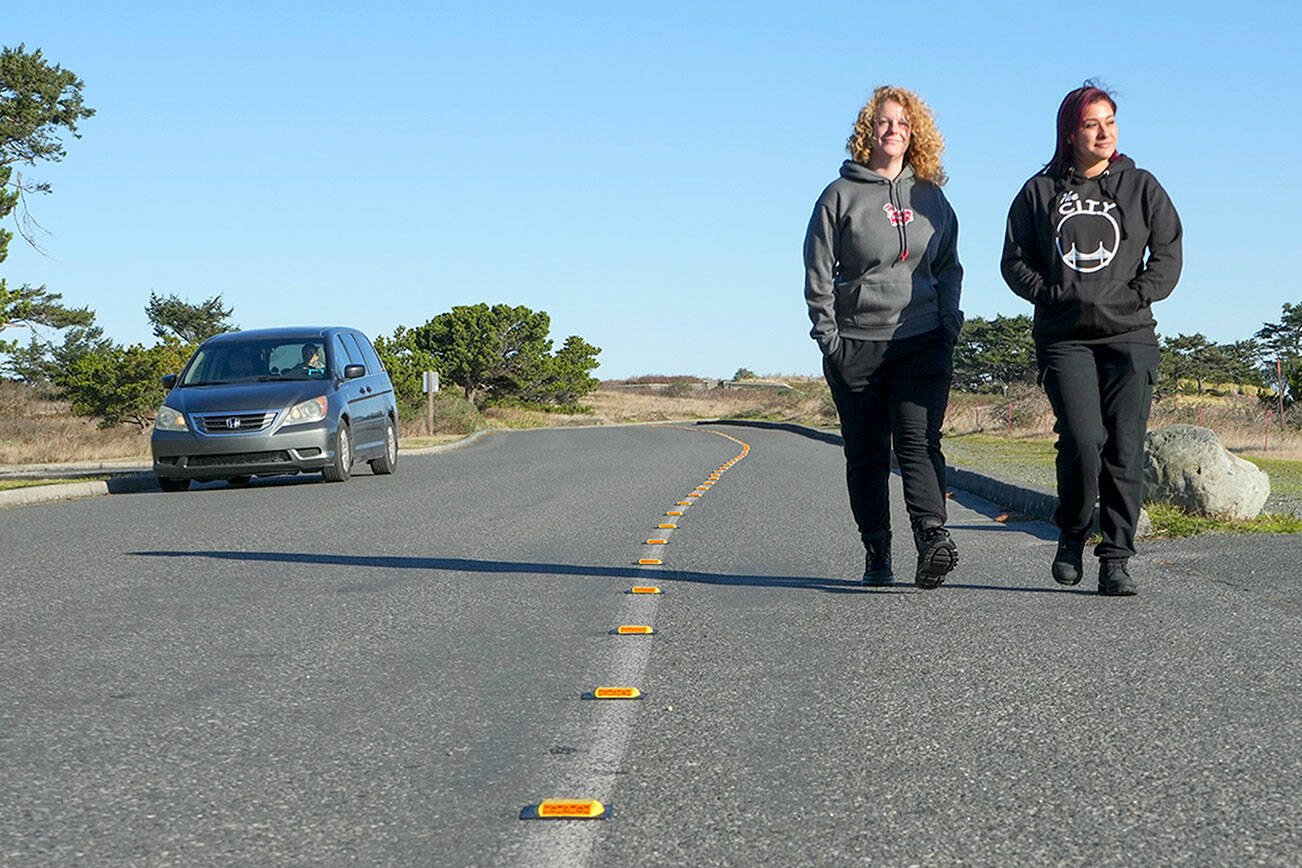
(1090,231)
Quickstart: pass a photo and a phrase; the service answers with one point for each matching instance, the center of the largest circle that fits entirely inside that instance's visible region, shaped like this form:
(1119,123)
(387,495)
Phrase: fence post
(1010,419)
(1279,381)
(1267,430)
(1200,417)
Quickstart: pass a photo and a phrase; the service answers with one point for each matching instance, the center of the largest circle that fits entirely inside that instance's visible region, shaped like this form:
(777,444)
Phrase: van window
(232,361)
(343,357)
(373,363)
(350,341)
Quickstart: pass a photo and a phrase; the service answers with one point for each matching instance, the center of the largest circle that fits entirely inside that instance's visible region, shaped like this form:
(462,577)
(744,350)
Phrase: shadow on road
(644,574)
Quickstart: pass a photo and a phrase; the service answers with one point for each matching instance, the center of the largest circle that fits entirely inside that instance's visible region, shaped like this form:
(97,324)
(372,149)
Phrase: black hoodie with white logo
(1076,246)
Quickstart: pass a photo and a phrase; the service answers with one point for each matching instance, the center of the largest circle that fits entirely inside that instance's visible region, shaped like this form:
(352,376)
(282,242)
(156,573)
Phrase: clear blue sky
(644,173)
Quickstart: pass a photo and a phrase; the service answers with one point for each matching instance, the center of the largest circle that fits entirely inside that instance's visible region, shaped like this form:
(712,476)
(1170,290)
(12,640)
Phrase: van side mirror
(352,372)
(169,381)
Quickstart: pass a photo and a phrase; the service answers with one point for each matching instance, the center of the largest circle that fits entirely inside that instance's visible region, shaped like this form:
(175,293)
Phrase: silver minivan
(274,401)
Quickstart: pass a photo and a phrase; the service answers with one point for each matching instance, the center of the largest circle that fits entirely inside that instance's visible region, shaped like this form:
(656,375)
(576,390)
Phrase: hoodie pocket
(1109,307)
(873,303)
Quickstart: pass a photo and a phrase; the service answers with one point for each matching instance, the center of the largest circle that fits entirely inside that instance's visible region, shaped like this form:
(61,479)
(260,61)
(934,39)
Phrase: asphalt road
(389,671)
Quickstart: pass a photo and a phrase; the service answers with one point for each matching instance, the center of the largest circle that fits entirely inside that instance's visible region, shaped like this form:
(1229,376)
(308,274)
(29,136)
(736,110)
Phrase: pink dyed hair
(1070,115)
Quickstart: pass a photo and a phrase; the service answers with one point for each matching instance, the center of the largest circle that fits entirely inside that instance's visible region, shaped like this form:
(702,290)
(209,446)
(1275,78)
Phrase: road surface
(389,671)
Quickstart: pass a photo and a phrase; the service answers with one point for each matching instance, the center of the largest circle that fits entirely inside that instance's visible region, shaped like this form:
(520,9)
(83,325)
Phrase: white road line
(568,843)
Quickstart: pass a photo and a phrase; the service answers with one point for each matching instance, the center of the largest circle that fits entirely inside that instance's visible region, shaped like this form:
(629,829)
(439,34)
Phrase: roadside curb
(446,447)
(114,466)
(45,493)
(1016,496)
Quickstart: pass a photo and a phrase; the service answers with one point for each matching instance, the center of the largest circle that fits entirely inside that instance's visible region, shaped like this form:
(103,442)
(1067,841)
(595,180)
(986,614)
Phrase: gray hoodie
(881,259)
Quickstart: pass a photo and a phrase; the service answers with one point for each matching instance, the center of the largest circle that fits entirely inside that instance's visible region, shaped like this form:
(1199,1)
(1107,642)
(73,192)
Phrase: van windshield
(255,361)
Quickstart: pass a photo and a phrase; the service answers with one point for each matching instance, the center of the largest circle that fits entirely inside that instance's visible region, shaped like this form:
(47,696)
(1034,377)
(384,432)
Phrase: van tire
(341,469)
(388,462)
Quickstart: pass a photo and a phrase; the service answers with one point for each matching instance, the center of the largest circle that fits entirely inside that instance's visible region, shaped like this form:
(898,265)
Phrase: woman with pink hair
(1094,242)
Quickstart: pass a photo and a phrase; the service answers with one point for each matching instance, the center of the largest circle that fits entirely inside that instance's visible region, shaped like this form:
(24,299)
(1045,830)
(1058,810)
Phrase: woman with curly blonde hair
(882,282)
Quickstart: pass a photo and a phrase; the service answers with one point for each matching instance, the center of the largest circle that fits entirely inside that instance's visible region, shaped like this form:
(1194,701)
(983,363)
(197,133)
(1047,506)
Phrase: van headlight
(169,420)
(311,410)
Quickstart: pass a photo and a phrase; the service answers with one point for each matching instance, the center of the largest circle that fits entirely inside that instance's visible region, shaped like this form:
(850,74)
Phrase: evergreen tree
(172,317)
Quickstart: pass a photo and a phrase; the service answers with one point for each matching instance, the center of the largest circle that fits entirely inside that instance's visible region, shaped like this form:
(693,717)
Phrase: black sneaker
(877,564)
(937,555)
(1067,568)
(1114,578)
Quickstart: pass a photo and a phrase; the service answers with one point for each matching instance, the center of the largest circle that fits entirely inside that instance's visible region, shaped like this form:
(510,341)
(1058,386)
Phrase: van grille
(236,458)
(235,423)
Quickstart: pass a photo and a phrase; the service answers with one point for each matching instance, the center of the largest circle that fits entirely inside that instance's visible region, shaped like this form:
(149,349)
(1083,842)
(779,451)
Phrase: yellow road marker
(633,630)
(650,561)
(668,526)
(674,512)
(657,542)
(566,809)
(684,503)
(614,693)
(644,589)
(694,494)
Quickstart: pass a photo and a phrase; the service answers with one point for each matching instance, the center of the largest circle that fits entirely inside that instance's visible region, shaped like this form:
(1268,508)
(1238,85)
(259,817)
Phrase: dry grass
(35,430)
(807,401)
(1240,421)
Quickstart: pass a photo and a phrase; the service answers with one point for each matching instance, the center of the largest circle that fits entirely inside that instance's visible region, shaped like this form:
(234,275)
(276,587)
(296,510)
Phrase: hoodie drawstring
(901,230)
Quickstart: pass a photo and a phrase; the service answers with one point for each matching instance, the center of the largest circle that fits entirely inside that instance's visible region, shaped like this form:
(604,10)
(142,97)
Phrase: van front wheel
(389,461)
(343,463)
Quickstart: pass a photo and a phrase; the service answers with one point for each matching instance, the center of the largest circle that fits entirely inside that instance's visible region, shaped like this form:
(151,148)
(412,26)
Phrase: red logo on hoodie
(897,217)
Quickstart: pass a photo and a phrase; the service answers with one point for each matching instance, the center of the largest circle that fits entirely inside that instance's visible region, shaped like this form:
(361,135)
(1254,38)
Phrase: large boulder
(1186,466)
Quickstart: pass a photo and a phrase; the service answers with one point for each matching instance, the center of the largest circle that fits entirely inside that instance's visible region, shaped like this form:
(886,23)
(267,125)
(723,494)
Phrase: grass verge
(1170,522)
(1032,460)
(437,440)
(7,484)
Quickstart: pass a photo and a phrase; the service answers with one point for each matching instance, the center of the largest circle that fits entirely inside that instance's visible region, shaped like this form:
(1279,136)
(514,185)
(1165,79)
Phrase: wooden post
(429,381)
(1279,381)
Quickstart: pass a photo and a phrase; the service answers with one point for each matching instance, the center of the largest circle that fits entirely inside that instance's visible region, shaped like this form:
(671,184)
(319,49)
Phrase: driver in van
(312,360)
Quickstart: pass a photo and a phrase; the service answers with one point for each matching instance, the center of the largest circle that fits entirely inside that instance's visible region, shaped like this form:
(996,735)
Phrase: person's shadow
(634,573)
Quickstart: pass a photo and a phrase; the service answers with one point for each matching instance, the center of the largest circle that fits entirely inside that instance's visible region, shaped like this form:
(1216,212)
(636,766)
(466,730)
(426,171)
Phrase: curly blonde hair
(925,145)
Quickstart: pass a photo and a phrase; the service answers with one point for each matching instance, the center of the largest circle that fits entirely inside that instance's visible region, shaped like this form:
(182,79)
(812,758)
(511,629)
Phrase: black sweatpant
(1101,395)
(892,390)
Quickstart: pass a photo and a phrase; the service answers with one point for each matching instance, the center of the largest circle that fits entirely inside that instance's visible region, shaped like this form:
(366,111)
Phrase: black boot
(937,555)
(877,562)
(1114,578)
(1067,567)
